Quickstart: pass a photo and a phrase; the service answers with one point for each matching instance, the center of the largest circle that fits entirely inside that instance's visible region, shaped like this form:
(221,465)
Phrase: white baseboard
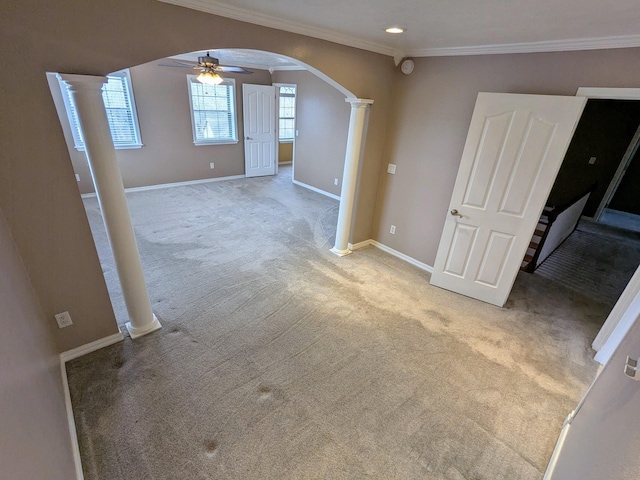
(91,347)
(285,163)
(359,245)
(64,358)
(170,185)
(548,474)
(317,190)
(73,434)
(391,251)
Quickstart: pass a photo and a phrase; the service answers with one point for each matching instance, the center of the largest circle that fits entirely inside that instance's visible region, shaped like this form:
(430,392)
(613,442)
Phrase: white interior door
(259,108)
(513,151)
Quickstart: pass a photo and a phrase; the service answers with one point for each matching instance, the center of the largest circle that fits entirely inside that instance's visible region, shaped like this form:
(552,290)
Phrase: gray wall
(38,190)
(168,155)
(604,131)
(603,440)
(431,115)
(322,120)
(34,436)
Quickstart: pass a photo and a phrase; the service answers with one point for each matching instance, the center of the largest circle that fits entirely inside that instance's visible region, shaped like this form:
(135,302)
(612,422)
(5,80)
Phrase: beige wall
(169,154)
(431,115)
(34,437)
(322,121)
(38,190)
(285,152)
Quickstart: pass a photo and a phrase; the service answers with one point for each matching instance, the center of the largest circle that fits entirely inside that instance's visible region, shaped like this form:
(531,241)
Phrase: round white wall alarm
(407,66)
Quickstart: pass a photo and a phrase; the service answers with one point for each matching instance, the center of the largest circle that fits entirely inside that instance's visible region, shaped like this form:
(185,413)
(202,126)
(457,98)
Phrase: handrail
(552,216)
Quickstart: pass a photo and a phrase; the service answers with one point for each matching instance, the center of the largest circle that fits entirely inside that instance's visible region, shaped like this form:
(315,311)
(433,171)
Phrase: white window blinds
(213,111)
(120,108)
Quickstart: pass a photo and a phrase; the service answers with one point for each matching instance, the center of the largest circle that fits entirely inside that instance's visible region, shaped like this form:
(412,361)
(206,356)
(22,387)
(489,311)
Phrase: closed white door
(514,148)
(259,108)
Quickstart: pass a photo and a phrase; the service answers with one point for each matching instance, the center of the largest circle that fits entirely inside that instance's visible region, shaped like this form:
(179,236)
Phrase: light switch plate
(391,168)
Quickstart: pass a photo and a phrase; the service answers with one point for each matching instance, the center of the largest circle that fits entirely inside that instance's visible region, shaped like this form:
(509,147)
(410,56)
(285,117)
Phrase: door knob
(455,213)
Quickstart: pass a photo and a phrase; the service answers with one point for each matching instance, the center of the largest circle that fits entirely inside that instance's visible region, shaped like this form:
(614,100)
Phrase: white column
(355,139)
(92,117)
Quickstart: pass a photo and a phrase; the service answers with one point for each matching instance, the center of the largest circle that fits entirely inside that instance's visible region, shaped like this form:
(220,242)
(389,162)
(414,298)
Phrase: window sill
(119,147)
(222,142)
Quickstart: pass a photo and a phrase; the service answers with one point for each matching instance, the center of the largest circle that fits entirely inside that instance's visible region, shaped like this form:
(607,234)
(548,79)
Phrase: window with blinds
(119,106)
(287,112)
(213,113)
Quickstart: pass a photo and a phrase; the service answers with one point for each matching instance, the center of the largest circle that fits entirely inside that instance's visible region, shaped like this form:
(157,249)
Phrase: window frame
(191,79)
(295,108)
(78,141)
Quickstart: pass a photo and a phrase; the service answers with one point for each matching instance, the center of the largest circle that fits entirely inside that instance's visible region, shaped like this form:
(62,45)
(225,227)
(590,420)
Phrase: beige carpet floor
(278,359)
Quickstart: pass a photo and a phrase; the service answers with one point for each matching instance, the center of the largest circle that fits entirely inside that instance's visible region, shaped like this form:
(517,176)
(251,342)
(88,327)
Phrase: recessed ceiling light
(394,30)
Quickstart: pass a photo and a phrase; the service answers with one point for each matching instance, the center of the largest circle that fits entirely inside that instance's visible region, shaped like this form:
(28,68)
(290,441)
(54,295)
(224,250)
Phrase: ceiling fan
(209,69)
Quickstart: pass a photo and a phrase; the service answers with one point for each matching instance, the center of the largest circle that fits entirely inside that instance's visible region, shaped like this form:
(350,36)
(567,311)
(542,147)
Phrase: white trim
(402,256)
(622,317)
(285,163)
(91,347)
(391,251)
(171,185)
(609,93)
(548,474)
(357,246)
(233,113)
(73,434)
(229,11)
(317,190)
(628,156)
(598,43)
(286,68)
(64,358)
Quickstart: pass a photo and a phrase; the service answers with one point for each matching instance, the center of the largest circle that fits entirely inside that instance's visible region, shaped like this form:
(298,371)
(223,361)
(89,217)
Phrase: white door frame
(622,317)
(295,124)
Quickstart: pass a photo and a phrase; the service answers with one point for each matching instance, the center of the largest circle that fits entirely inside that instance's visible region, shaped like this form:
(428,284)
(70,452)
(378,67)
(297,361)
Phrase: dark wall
(627,197)
(604,131)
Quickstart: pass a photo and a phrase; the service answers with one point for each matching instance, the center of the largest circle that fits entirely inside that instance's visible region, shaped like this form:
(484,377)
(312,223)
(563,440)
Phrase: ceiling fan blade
(234,70)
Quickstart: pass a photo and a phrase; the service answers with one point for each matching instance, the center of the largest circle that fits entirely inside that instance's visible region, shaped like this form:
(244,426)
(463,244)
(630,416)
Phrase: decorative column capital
(358,102)
(82,82)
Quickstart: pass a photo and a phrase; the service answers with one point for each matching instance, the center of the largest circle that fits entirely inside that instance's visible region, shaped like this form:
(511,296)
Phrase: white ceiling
(445,27)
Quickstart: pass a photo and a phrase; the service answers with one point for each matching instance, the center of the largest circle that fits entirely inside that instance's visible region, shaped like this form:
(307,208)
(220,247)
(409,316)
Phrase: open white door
(513,151)
(259,108)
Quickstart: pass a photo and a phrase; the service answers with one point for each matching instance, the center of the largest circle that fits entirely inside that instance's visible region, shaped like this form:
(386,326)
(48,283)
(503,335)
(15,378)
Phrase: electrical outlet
(63,319)
(391,169)
(592,160)
(77,177)
(211,165)
(335,181)
(392,230)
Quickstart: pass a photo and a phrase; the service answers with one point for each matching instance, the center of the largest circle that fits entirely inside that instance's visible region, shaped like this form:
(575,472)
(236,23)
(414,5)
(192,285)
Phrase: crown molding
(222,9)
(599,43)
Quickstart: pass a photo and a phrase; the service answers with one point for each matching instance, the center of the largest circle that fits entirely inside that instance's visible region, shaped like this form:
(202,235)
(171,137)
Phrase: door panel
(513,151)
(259,109)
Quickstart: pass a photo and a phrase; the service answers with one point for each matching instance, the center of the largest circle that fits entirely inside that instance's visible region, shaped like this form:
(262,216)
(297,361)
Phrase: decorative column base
(148,328)
(341,253)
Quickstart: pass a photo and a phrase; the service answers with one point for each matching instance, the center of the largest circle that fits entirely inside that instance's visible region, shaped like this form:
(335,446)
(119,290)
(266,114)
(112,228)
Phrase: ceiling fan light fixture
(209,77)
(395,30)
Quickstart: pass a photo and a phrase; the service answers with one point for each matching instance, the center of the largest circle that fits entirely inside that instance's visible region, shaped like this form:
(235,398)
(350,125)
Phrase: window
(120,107)
(213,113)
(287,112)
